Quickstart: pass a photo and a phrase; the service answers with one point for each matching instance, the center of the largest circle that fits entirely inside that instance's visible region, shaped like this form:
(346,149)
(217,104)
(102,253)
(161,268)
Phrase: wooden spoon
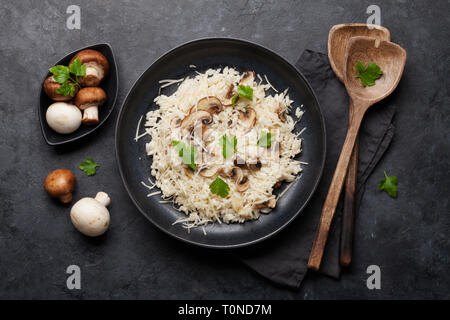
(391,58)
(337,43)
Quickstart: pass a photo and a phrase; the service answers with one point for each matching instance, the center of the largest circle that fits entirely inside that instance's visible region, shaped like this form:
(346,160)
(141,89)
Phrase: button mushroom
(208,172)
(247,78)
(89,99)
(242,182)
(194,119)
(251,164)
(63,117)
(254,165)
(90,216)
(97,67)
(50,87)
(229,96)
(211,104)
(271,203)
(281,113)
(248,117)
(60,184)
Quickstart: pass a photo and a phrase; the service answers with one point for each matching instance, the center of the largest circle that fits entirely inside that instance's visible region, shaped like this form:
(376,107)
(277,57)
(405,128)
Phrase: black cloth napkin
(283,259)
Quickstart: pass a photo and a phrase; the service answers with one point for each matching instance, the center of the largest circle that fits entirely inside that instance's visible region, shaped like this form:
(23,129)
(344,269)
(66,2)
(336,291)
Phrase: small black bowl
(110,84)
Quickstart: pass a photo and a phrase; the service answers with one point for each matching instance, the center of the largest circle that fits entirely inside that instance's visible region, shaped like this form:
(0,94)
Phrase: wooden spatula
(337,43)
(391,58)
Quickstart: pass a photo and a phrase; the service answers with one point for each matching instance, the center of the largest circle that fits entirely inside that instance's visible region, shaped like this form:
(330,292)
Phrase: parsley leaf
(245,92)
(228,146)
(187,153)
(219,187)
(265,139)
(66,88)
(234,99)
(60,73)
(88,166)
(368,75)
(388,184)
(78,69)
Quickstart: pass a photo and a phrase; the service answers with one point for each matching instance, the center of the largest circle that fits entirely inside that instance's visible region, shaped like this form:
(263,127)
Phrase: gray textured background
(406,237)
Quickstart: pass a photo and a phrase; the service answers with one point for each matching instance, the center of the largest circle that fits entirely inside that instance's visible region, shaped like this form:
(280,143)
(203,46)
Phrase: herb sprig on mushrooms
(61,74)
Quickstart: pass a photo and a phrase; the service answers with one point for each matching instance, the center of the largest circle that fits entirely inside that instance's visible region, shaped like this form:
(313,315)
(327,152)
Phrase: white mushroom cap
(63,117)
(90,216)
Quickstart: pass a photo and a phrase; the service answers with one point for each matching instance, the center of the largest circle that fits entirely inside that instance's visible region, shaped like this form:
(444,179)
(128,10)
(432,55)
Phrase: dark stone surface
(406,237)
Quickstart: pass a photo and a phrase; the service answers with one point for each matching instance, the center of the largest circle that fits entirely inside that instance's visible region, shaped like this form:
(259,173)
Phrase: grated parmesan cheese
(189,190)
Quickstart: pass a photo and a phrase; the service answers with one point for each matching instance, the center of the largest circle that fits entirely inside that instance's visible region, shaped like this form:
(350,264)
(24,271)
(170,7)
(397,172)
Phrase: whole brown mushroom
(97,67)
(60,184)
(50,87)
(88,100)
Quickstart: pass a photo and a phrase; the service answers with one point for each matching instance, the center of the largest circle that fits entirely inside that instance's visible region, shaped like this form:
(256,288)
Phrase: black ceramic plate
(134,165)
(109,84)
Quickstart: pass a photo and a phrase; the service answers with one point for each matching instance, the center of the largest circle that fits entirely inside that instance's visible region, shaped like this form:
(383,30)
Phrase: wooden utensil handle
(348,213)
(335,189)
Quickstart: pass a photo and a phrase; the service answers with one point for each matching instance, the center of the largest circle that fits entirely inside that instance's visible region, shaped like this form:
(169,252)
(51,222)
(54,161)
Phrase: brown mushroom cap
(271,203)
(229,96)
(60,184)
(195,118)
(90,96)
(209,171)
(211,104)
(281,113)
(90,56)
(237,175)
(243,184)
(248,117)
(50,87)
(247,78)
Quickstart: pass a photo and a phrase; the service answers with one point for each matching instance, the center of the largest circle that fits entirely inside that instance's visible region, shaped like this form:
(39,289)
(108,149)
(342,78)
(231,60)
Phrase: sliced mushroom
(271,203)
(211,104)
(243,184)
(223,174)
(236,174)
(248,78)
(251,164)
(195,118)
(208,172)
(281,113)
(254,166)
(229,96)
(239,162)
(248,117)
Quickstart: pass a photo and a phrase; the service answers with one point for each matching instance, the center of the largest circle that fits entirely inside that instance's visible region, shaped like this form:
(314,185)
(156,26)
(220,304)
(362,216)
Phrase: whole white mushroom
(90,216)
(63,117)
